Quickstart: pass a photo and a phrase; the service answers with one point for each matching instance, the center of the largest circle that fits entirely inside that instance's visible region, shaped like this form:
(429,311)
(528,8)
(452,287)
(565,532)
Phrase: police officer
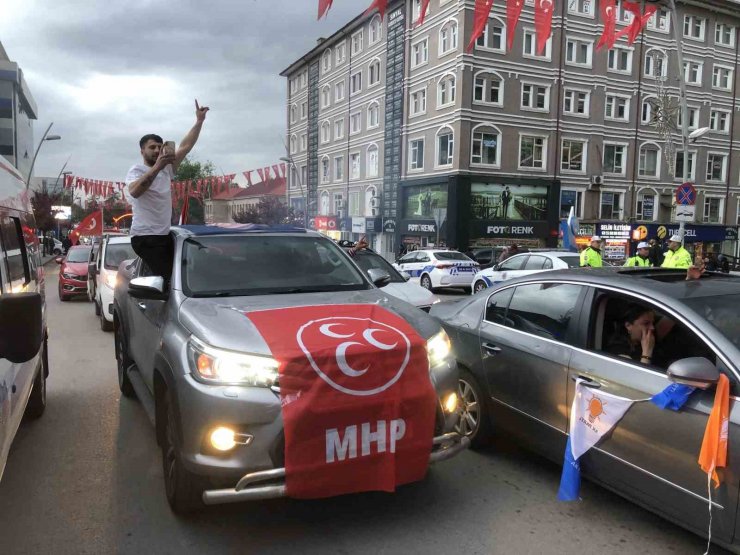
(677,256)
(591,256)
(641,259)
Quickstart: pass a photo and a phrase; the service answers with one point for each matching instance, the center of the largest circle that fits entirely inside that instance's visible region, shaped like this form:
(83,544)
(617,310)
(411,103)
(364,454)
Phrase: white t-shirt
(152,210)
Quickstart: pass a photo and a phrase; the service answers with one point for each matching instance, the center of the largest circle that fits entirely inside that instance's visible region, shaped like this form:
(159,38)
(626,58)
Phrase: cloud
(108,73)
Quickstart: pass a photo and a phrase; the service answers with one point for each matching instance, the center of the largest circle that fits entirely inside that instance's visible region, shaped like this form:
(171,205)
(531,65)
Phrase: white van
(113,250)
(24,361)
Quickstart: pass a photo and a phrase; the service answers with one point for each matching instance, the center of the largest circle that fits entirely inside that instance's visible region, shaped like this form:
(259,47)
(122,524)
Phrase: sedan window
(543,309)
(536,263)
(423,257)
(497,305)
(408,258)
(722,312)
(513,263)
(571,261)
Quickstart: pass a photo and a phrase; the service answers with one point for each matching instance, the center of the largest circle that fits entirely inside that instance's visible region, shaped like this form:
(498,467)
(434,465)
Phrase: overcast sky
(107,73)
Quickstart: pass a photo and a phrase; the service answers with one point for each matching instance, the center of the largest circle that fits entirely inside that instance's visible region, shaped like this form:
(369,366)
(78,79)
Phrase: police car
(437,268)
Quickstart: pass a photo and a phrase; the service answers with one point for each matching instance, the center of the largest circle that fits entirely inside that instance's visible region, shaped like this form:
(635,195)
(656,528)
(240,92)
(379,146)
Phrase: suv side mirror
(149,288)
(379,277)
(21,326)
(696,372)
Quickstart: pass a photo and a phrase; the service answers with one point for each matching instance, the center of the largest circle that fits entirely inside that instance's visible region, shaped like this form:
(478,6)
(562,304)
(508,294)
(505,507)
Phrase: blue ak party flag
(570,480)
(673,397)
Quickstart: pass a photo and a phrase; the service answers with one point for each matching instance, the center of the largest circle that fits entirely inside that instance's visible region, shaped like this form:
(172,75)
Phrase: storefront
(355,227)
(699,239)
(327,225)
(615,246)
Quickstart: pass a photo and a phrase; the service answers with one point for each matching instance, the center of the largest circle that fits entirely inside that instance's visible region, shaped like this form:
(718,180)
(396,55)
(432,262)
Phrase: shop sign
(426,227)
(345,224)
(621,232)
(325,223)
(358,225)
(389,226)
(692,233)
(516,230)
(373,225)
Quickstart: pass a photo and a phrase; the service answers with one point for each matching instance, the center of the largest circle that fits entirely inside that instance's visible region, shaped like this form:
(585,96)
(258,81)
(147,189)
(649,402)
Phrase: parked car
(57,250)
(165,339)
(436,268)
(525,264)
(521,345)
(112,251)
(485,256)
(398,285)
(24,358)
(73,272)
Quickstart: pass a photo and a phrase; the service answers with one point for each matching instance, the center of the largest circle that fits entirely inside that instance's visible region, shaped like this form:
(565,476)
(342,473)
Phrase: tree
(271,211)
(42,203)
(191,170)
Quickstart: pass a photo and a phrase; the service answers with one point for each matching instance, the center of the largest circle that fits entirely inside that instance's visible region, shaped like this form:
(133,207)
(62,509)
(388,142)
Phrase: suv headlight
(439,348)
(110,279)
(220,367)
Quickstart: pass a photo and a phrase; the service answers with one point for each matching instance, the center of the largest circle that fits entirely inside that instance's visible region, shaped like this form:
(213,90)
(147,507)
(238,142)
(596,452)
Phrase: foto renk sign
(510,230)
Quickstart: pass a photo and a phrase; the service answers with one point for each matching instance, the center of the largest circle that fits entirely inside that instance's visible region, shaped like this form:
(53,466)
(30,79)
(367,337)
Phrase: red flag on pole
(324,6)
(184,211)
(382,6)
(543,23)
(423,12)
(92,225)
(480,20)
(513,11)
(639,20)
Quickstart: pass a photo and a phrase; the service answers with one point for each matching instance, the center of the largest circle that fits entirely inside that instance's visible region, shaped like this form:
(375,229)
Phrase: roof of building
(272,187)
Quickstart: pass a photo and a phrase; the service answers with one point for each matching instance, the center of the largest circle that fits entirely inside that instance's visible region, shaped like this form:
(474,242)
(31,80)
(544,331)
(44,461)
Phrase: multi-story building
(17,112)
(395,122)
(223,207)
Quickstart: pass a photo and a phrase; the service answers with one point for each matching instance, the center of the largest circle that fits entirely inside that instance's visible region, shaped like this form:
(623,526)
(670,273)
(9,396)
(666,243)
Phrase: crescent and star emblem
(341,352)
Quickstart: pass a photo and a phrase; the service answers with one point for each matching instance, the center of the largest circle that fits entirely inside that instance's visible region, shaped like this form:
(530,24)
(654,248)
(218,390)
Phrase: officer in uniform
(677,256)
(641,259)
(591,256)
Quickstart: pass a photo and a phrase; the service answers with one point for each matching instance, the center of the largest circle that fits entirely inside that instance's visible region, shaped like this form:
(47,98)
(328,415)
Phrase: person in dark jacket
(656,254)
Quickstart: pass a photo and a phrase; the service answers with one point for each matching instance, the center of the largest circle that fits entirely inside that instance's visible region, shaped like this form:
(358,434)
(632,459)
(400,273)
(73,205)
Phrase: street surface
(87,479)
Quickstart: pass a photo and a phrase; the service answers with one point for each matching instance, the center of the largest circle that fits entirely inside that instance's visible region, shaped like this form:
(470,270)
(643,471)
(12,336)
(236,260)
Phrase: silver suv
(208,378)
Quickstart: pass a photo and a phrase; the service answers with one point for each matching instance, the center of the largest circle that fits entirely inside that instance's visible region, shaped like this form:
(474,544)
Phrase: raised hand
(200,112)
(166,157)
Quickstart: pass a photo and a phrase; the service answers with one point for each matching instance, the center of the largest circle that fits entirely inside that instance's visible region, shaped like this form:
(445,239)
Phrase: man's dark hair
(151,137)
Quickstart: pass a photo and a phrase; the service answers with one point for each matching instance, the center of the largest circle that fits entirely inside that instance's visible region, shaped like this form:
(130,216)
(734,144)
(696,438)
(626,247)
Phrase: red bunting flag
(324,6)
(423,12)
(639,20)
(543,23)
(184,212)
(381,5)
(248,176)
(513,11)
(264,174)
(480,20)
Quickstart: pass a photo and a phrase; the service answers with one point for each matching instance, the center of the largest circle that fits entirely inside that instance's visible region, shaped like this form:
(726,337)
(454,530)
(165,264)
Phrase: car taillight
(444,266)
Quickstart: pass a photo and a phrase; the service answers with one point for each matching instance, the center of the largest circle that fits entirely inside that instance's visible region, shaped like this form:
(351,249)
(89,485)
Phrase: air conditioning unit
(596,182)
(340,214)
(374,202)
(374,212)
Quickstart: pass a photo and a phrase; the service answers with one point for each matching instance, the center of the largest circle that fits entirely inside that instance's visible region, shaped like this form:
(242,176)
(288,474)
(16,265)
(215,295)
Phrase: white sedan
(437,268)
(523,265)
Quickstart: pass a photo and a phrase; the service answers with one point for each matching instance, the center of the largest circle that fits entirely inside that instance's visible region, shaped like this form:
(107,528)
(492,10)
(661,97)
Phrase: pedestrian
(710,262)
(676,256)
(149,191)
(591,255)
(66,243)
(724,264)
(656,253)
(508,252)
(641,259)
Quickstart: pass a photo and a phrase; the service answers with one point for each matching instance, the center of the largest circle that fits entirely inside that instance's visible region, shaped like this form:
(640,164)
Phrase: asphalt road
(87,478)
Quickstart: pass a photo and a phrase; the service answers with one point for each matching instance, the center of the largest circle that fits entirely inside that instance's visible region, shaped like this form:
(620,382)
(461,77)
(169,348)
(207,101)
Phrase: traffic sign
(686,194)
(685,212)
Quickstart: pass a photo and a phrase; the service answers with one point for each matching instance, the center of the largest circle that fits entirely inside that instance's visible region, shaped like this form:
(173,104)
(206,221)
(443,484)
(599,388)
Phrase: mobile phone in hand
(170,147)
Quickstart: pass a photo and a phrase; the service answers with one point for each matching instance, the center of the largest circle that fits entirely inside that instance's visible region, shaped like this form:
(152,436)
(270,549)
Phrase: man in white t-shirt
(149,191)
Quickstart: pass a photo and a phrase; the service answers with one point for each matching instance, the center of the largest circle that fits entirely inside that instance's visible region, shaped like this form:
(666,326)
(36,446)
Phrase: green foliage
(42,203)
(190,170)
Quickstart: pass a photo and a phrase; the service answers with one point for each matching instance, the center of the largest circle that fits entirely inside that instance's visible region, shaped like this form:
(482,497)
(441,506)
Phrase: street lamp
(46,137)
(289,160)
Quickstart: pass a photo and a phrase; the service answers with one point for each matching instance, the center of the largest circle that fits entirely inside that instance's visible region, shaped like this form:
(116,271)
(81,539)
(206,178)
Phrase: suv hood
(221,322)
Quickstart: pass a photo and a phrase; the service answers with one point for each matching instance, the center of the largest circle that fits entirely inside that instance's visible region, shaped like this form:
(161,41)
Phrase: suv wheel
(474,422)
(184,490)
(426,282)
(123,362)
(480,285)
(97,307)
(37,400)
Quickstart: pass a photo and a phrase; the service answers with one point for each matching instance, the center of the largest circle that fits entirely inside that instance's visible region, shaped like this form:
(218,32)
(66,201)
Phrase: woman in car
(634,336)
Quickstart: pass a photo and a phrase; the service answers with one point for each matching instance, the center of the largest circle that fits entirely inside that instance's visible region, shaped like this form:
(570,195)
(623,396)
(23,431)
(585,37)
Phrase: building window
(617,108)
(325,175)
(738,212)
(678,169)
(376,29)
(418,102)
(693,118)
(573,156)
(293,144)
(620,60)
(416,154)
(611,207)
(578,52)
(576,103)
(719,121)
(325,132)
(615,159)
(339,129)
(448,38)
(656,64)
(371,201)
(304,174)
(649,161)
(532,152)
(339,89)
(716,167)
(304,110)
(445,147)
(354,165)
(373,73)
(713,209)
(646,207)
(530,46)
(293,113)
(647,112)
(338,168)
(724,35)
(493,37)
(355,83)
(722,77)
(417,10)
(357,42)
(488,89)
(325,97)
(693,72)
(372,161)
(581,7)
(373,116)
(324,204)
(446,91)
(340,53)
(420,53)
(355,123)
(326,62)
(486,147)
(338,204)
(535,97)
(570,199)
(693,27)
(660,21)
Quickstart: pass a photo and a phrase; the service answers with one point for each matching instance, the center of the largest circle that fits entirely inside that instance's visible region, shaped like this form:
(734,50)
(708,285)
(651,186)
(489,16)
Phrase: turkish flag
(639,20)
(324,6)
(423,13)
(92,225)
(513,11)
(382,6)
(480,20)
(357,400)
(609,16)
(184,212)
(543,23)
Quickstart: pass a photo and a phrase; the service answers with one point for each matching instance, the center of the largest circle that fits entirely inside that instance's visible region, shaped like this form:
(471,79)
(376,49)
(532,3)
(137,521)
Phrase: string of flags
(543,12)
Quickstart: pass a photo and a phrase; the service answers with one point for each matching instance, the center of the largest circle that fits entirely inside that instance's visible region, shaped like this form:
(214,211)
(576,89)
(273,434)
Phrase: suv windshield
(78,255)
(266,265)
(448,255)
(721,312)
(368,260)
(117,253)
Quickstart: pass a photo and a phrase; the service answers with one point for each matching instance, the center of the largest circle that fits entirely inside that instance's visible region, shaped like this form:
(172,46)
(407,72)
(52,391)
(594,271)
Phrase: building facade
(17,113)
(222,208)
(500,143)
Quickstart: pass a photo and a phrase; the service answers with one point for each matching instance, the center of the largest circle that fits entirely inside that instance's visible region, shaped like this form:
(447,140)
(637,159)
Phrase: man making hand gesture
(149,191)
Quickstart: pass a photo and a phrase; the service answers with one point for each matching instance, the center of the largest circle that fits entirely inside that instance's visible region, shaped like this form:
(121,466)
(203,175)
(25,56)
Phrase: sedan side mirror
(21,326)
(149,288)
(380,278)
(696,372)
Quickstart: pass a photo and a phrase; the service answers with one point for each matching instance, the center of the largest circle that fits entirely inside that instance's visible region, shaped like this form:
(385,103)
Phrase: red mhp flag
(92,225)
(609,15)
(713,453)
(423,13)
(184,212)
(639,20)
(543,23)
(382,6)
(358,404)
(324,6)
(480,20)
(513,11)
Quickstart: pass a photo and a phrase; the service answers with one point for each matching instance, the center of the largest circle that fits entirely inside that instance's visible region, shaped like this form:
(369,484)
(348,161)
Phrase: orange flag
(713,453)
